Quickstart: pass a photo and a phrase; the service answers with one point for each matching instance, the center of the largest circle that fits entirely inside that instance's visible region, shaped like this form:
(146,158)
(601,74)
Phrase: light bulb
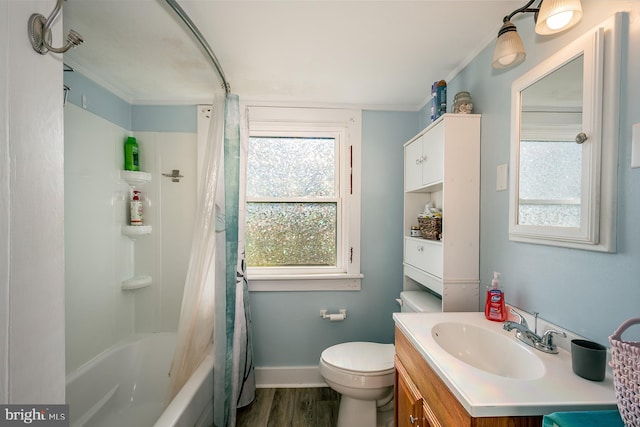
(558,15)
(559,20)
(509,50)
(507,59)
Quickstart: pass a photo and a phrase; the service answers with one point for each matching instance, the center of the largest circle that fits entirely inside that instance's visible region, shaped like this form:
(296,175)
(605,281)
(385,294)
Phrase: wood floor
(291,407)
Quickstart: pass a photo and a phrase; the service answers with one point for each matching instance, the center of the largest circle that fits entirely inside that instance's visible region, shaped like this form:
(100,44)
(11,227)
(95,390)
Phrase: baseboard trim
(288,377)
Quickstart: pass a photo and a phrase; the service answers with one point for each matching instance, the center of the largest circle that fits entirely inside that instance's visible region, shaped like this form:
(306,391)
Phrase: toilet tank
(419,301)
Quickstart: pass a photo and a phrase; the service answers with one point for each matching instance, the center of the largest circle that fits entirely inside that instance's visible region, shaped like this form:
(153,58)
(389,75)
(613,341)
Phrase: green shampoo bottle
(131,155)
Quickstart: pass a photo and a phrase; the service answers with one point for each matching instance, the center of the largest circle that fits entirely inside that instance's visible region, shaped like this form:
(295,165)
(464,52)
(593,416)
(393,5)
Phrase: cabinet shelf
(136,282)
(135,178)
(431,188)
(428,241)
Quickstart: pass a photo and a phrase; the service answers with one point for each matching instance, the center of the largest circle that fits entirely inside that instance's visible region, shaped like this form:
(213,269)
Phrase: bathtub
(127,385)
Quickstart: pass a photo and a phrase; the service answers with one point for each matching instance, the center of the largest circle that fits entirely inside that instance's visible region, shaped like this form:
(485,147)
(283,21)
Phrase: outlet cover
(502,176)
(635,146)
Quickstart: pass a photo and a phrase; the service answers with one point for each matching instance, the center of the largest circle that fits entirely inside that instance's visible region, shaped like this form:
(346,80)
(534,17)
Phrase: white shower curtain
(215,299)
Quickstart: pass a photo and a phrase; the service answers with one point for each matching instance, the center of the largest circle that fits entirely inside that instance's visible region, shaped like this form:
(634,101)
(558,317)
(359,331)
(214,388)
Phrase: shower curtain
(215,314)
(233,375)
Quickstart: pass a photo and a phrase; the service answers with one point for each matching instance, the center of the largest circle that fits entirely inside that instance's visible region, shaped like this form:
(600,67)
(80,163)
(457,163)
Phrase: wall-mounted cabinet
(442,168)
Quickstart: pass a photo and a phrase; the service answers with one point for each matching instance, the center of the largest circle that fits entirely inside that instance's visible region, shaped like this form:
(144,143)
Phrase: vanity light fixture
(551,16)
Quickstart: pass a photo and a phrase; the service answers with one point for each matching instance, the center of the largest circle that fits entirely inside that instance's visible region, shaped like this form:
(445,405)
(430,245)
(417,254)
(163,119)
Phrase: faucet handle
(547,337)
(547,344)
(521,319)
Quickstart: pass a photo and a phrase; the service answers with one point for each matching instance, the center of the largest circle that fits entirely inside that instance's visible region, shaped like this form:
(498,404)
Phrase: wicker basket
(431,228)
(625,361)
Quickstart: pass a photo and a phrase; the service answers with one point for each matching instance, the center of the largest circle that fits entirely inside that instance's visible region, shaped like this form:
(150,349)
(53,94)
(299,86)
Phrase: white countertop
(484,394)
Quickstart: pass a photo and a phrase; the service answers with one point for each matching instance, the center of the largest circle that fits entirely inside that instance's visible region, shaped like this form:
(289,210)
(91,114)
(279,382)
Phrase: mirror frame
(601,48)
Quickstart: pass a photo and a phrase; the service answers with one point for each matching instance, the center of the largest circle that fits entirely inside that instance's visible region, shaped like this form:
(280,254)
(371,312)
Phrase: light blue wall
(287,328)
(97,99)
(135,118)
(587,292)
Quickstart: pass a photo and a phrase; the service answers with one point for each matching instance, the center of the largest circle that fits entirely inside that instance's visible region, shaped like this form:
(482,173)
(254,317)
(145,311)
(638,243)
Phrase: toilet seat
(360,358)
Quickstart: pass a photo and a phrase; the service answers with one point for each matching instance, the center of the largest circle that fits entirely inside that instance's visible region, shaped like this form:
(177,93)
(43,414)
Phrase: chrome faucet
(523,333)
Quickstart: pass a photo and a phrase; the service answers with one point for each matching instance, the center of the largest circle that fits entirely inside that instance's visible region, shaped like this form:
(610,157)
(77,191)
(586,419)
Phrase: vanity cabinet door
(409,402)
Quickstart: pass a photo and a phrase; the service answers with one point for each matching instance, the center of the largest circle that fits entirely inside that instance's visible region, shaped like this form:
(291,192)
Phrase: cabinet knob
(420,248)
(412,420)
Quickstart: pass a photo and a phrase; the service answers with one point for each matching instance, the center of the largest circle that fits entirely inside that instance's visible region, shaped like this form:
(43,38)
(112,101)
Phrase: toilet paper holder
(334,317)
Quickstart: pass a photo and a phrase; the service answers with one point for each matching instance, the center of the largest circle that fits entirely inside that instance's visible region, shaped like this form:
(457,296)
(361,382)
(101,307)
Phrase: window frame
(345,125)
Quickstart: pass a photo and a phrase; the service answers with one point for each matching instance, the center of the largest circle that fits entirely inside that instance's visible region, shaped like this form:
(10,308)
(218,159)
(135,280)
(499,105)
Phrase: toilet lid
(360,356)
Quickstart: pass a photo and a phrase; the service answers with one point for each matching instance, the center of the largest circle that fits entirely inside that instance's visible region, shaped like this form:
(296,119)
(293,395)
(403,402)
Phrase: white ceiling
(382,54)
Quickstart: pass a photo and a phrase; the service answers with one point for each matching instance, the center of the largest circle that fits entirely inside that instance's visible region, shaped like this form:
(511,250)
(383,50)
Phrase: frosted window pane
(291,234)
(550,215)
(550,179)
(291,167)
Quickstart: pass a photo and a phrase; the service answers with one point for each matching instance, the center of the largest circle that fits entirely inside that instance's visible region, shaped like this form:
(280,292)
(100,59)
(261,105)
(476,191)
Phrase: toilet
(364,374)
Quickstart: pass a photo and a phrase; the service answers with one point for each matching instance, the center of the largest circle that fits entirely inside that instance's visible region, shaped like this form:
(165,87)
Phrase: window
(292,202)
(303,199)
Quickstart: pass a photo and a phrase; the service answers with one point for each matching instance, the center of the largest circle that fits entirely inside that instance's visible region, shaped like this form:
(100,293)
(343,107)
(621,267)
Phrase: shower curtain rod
(196,32)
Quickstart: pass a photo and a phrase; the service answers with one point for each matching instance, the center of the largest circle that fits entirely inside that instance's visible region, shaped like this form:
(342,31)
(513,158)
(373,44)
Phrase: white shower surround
(99,257)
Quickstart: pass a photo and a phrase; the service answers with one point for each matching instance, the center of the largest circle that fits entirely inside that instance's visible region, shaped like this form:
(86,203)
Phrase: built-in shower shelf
(134,231)
(136,282)
(135,178)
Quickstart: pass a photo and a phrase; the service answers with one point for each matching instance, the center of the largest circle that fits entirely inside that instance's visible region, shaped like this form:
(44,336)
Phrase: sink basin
(490,351)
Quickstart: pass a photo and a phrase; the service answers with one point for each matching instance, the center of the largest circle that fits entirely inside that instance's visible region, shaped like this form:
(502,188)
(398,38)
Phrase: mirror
(563,146)
(550,161)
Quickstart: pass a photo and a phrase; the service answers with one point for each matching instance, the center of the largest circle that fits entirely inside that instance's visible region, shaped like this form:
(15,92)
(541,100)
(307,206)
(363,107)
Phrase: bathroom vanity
(424,400)
(436,387)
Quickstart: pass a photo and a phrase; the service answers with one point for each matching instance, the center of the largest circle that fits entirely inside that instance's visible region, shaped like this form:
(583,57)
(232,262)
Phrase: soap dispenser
(494,308)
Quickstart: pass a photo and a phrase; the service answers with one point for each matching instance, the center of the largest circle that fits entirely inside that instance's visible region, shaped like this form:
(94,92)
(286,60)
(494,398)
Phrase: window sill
(307,282)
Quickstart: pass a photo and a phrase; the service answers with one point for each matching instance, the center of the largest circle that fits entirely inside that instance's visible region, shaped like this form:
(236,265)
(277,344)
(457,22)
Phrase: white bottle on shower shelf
(136,208)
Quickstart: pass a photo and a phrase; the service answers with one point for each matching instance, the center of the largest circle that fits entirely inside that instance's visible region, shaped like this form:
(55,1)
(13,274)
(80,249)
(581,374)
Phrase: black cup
(588,359)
